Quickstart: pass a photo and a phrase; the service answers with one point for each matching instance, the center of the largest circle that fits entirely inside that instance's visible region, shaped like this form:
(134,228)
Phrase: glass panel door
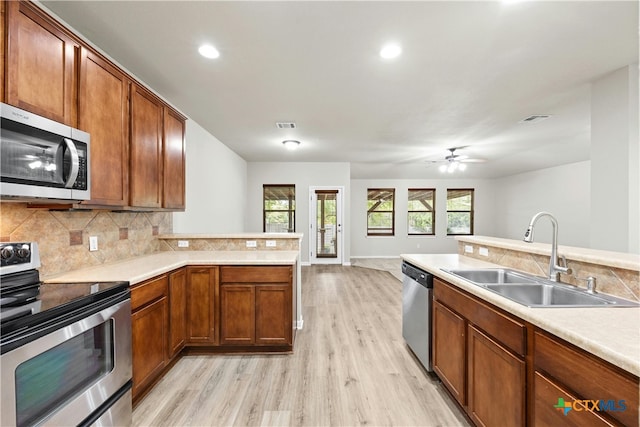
(326,224)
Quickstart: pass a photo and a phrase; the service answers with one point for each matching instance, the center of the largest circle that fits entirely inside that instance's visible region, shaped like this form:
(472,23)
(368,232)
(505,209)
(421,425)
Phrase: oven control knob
(24,251)
(6,252)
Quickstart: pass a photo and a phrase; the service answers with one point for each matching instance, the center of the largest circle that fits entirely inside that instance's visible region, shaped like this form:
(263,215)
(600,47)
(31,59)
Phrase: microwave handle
(75,163)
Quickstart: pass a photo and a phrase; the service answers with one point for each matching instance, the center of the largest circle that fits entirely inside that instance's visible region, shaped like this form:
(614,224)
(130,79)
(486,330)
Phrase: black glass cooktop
(54,301)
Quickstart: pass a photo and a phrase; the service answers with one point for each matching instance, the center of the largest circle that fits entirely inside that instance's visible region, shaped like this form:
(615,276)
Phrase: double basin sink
(534,291)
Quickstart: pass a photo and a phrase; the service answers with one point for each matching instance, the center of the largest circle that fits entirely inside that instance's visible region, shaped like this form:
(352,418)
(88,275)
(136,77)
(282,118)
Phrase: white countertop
(141,268)
(611,333)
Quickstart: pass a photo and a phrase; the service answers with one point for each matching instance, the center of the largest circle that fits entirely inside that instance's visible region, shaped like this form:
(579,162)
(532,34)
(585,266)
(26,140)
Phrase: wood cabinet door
(148,343)
(174,161)
(237,314)
(273,315)
(449,350)
(104,114)
(496,383)
(201,302)
(549,412)
(41,64)
(177,311)
(145,174)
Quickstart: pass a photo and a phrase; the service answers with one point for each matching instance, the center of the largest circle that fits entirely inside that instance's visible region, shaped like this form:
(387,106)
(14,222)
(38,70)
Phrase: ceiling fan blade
(473,160)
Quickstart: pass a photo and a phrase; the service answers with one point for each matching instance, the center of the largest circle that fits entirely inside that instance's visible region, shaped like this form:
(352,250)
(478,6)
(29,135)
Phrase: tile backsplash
(611,280)
(63,236)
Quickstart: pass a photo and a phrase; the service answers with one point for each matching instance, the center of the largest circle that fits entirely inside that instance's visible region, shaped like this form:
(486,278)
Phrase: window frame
(471,211)
(392,231)
(432,211)
(291,211)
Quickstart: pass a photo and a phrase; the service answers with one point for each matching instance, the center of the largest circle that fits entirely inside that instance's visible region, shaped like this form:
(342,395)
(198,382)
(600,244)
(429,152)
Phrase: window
(459,211)
(380,211)
(420,208)
(279,202)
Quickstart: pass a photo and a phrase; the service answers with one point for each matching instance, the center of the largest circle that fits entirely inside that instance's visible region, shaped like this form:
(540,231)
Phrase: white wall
(614,161)
(216,186)
(564,191)
(363,246)
(303,175)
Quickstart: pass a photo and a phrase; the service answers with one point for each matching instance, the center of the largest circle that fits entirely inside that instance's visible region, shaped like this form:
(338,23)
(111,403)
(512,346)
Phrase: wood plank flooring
(350,367)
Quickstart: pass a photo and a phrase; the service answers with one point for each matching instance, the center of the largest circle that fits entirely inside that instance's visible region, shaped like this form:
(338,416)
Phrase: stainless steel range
(65,348)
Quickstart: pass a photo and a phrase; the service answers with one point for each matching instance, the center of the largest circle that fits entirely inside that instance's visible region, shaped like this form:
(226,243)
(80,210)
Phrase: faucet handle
(563,268)
(591,285)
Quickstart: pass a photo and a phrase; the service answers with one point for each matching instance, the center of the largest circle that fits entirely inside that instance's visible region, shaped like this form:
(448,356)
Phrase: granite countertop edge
(611,333)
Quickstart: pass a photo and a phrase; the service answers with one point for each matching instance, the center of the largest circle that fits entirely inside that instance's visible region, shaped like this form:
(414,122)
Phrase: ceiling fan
(453,161)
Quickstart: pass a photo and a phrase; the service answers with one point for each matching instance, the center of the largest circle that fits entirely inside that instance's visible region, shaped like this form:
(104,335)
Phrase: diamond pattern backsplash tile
(121,235)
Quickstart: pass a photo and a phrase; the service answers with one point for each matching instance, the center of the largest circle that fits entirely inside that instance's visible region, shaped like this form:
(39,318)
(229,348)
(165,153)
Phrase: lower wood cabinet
(193,307)
(496,382)
(202,305)
(149,332)
(485,372)
(237,314)
(256,306)
(580,376)
(549,413)
(177,311)
(450,350)
(503,371)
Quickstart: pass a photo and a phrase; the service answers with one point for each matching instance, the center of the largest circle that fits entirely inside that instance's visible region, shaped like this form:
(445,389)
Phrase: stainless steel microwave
(42,159)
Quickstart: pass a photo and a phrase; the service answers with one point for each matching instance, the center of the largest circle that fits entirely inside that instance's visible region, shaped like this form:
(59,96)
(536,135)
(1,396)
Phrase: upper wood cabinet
(146,149)
(174,161)
(104,114)
(42,63)
(137,140)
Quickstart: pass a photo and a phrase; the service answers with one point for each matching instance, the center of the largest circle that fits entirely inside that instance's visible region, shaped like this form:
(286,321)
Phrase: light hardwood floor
(350,367)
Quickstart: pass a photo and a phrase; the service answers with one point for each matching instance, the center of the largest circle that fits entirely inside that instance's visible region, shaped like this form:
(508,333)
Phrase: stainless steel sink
(534,291)
(544,295)
(493,275)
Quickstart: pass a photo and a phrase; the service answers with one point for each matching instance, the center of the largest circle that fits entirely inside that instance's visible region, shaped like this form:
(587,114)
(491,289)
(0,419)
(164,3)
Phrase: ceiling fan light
(462,166)
(443,168)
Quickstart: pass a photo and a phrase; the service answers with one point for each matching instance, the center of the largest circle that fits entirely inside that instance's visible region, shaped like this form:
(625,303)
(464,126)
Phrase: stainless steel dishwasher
(417,287)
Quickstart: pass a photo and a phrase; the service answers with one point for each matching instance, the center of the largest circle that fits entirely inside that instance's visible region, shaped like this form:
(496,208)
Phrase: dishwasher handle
(418,275)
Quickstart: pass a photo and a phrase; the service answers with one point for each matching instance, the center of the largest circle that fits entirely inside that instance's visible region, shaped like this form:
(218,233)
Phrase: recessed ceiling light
(390,51)
(208,51)
(291,144)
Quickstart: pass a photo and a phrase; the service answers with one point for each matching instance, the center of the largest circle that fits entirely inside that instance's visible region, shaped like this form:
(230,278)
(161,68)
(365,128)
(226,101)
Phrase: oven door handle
(75,163)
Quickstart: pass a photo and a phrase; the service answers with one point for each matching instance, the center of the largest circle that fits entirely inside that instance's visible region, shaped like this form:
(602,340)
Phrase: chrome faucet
(554,268)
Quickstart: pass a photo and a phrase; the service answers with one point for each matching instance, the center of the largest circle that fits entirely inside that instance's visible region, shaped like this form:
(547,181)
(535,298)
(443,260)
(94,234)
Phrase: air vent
(286,125)
(535,118)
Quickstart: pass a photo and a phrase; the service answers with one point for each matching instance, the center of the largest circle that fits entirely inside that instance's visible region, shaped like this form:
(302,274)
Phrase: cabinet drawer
(146,292)
(508,331)
(587,376)
(251,274)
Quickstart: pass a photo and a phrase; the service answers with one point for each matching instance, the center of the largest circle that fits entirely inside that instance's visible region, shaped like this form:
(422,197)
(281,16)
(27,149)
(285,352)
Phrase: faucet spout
(554,268)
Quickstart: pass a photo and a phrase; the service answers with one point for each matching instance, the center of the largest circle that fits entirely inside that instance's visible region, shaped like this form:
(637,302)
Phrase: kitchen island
(482,339)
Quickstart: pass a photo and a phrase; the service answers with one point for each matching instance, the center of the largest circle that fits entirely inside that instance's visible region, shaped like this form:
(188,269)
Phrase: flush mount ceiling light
(208,51)
(390,51)
(291,144)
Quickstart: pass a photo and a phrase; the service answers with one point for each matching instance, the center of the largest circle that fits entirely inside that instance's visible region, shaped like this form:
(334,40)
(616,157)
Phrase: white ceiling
(468,73)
